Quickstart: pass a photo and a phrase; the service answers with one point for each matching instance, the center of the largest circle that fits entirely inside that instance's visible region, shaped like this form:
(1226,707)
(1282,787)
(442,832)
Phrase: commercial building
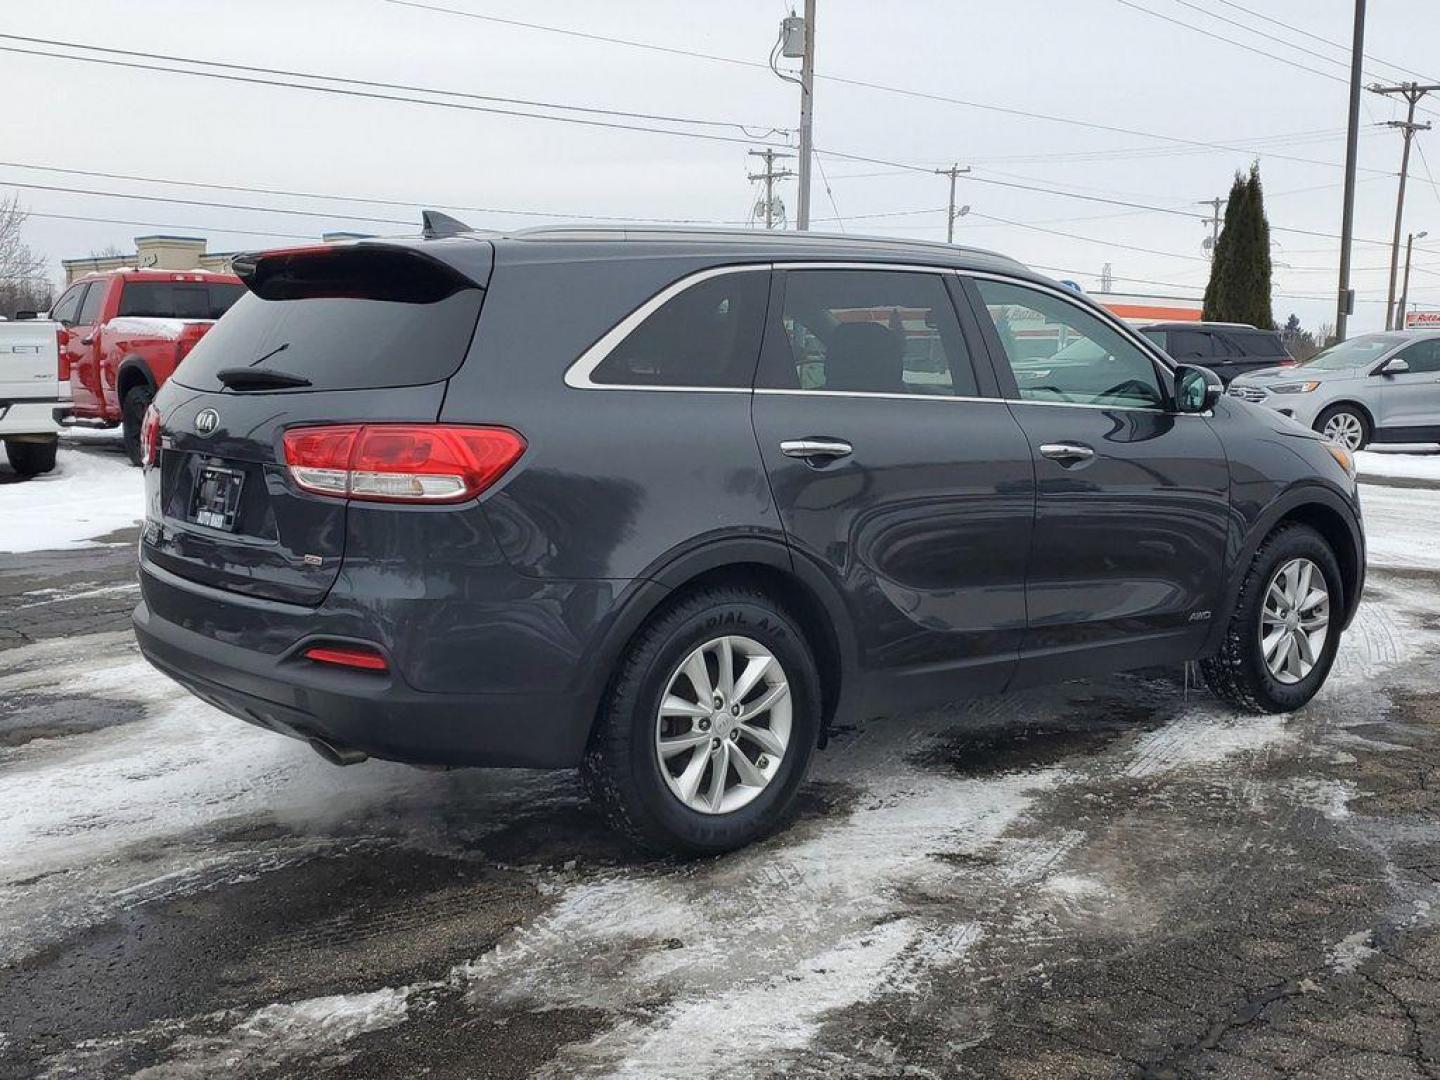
(155,252)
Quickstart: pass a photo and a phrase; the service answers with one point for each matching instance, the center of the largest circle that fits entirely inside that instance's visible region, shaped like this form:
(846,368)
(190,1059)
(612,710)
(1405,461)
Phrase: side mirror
(1197,388)
(1396,365)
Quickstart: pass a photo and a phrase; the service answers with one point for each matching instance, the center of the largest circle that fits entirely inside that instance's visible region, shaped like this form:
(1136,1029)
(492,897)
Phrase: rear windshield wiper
(245,378)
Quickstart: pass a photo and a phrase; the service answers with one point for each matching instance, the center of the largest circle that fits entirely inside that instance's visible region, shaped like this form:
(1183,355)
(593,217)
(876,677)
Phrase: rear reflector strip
(414,463)
(352,656)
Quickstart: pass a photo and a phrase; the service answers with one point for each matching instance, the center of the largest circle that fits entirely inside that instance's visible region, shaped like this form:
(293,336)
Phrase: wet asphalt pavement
(1108,878)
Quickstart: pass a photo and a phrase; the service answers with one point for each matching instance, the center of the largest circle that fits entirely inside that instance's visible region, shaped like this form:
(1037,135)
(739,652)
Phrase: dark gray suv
(668,505)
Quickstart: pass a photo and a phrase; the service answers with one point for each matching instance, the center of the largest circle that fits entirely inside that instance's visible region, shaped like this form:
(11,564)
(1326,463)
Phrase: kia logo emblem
(206,421)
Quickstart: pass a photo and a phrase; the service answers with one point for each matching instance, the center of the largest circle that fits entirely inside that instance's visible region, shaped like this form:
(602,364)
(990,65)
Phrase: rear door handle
(1066,452)
(815,449)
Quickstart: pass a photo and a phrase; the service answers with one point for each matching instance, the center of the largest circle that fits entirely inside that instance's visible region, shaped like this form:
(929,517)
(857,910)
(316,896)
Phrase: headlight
(1344,457)
(1294,387)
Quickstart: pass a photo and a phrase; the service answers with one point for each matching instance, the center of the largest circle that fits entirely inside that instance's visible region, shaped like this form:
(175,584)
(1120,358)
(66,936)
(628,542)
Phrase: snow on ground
(1402,525)
(90,494)
(1420,462)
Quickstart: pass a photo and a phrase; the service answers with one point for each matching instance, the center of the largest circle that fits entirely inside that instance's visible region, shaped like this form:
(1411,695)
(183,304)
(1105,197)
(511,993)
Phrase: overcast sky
(1099,61)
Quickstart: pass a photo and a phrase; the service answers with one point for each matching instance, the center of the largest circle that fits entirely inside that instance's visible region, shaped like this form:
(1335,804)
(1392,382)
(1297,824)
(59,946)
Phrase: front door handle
(1066,453)
(813,450)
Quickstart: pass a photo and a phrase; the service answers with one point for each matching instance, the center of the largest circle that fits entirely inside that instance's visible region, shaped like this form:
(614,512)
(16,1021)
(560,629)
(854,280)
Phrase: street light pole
(1405,288)
(953,171)
(1352,149)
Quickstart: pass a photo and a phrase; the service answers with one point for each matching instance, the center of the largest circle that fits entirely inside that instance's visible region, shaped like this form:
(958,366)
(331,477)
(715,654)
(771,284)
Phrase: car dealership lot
(1113,877)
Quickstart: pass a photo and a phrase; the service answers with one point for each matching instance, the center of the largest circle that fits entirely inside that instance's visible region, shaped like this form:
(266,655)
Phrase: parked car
(1372,388)
(668,506)
(32,392)
(123,334)
(1228,349)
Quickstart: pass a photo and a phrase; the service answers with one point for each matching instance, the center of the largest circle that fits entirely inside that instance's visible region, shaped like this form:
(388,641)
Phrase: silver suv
(1372,388)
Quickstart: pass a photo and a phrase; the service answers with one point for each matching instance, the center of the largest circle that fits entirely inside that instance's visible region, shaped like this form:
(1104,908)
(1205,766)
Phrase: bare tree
(22,281)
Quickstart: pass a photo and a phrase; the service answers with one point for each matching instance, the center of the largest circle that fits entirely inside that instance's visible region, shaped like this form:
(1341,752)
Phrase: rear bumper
(380,714)
(29,417)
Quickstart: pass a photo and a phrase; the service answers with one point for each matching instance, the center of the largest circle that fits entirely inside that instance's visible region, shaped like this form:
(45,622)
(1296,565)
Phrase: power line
(1316,37)
(1090,239)
(1231,41)
(168,225)
(413,204)
(370,95)
(861,83)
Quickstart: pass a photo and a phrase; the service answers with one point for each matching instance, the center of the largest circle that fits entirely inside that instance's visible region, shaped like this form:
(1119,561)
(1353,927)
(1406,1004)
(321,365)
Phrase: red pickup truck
(123,333)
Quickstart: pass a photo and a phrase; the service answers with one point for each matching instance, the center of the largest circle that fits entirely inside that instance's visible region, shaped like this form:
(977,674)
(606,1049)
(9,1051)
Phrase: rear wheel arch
(751,562)
(133,372)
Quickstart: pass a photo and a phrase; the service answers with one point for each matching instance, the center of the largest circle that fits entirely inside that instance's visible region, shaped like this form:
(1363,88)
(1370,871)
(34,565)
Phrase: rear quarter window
(1257,342)
(706,336)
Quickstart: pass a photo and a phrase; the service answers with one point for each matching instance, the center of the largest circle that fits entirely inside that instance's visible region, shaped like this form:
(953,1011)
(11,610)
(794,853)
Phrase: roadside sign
(1421,320)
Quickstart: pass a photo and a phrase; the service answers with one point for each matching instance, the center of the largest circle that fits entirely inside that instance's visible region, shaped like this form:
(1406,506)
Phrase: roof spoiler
(434,225)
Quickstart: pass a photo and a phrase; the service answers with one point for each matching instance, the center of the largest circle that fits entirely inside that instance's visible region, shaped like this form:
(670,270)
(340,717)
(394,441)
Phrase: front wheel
(1285,628)
(132,418)
(709,725)
(1345,425)
(31,458)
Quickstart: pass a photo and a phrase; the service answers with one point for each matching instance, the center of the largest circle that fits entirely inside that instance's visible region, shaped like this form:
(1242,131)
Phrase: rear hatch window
(366,318)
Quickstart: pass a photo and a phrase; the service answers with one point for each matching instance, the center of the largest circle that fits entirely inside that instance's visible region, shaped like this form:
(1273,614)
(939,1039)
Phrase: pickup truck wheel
(132,416)
(1285,628)
(31,458)
(709,725)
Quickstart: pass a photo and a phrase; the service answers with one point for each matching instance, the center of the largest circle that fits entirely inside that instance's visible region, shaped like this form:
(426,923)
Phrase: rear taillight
(150,437)
(417,463)
(62,359)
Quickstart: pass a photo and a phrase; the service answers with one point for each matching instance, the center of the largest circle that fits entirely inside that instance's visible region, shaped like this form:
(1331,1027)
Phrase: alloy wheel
(723,725)
(1346,429)
(1294,620)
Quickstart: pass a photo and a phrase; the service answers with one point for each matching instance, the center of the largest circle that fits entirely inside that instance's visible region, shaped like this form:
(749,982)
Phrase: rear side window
(178,299)
(1191,345)
(872,332)
(1257,342)
(707,336)
(90,308)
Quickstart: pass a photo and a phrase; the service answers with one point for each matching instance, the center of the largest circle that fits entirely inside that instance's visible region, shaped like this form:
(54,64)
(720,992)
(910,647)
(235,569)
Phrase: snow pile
(168,329)
(90,494)
(1350,952)
(1419,462)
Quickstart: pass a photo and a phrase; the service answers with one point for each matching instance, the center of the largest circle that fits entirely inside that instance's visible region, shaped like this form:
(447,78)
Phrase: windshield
(1354,353)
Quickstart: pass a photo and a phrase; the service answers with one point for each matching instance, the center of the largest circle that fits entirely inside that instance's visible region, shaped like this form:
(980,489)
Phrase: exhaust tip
(336,755)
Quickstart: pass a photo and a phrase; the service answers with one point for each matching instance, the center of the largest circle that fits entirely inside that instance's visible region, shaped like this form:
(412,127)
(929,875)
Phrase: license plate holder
(216,503)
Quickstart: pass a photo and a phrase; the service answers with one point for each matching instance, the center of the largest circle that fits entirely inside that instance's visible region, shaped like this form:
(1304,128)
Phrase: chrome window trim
(578,374)
(799,392)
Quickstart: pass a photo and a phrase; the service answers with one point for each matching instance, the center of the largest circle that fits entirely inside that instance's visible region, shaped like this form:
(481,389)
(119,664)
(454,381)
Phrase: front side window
(1423,356)
(707,336)
(1059,352)
(870,331)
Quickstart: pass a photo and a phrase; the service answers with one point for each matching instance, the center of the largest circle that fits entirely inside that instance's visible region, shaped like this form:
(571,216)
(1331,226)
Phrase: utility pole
(797,40)
(1344,298)
(953,171)
(770,175)
(1405,288)
(1213,221)
(1412,92)
(807,114)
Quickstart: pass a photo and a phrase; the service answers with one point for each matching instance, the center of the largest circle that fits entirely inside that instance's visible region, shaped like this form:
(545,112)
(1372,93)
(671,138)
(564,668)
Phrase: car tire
(1353,422)
(132,418)
(31,458)
(640,786)
(1243,672)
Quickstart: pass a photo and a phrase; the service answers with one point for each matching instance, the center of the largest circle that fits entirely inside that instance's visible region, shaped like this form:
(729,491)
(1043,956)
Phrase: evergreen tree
(1239,286)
